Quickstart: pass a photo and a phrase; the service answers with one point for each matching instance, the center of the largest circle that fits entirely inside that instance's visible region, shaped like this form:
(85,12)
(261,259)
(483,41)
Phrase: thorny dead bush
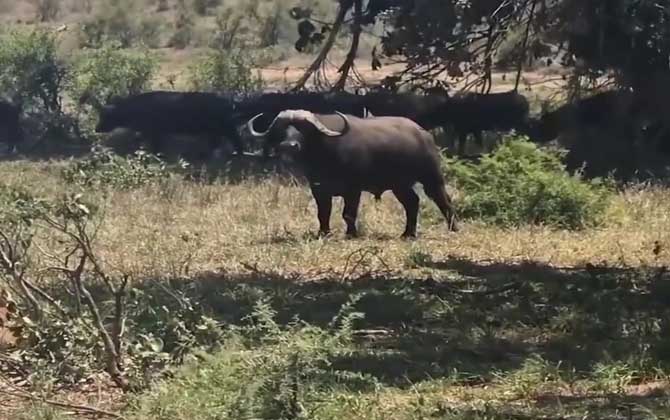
(75,315)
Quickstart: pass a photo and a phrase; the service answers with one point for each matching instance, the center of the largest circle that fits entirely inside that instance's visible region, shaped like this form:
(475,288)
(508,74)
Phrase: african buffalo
(369,154)
(600,109)
(9,124)
(272,103)
(472,113)
(160,113)
(408,105)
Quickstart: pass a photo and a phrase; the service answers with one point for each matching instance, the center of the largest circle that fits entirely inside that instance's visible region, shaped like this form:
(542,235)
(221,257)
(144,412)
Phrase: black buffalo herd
(215,116)
(346,143)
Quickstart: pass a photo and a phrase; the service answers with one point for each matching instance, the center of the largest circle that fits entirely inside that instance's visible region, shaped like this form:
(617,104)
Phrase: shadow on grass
(454,328)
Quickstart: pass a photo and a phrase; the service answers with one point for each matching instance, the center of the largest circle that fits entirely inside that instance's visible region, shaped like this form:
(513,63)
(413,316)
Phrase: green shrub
(32,73)
(31,69)
(221,71)
(104,168)
(99,75)
(522,184)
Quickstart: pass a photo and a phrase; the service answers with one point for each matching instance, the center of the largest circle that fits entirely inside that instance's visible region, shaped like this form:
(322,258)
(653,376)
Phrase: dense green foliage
(520,183)
(109,71)
(102,74)
(31,70)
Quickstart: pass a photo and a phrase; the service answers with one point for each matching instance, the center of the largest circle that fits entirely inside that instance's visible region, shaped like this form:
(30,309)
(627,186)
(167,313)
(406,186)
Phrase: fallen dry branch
(19,393)
(513,285)
(74,407)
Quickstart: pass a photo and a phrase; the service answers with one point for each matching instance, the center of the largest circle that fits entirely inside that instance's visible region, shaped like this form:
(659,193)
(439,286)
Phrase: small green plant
(522,184)
(613,377)
(418,258)
(225,71)
(264,370)
(104,168)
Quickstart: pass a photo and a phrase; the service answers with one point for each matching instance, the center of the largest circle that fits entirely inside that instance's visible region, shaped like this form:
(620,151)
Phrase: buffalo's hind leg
(324,206)
(350,213)
(410,201)
(438,193)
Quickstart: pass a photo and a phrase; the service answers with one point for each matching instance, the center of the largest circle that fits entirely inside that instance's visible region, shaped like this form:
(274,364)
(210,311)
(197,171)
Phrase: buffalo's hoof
(352,235)
(408,236)
(323,234)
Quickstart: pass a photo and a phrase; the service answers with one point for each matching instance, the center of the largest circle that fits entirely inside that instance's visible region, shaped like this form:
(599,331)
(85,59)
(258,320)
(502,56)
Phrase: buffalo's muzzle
(288,149)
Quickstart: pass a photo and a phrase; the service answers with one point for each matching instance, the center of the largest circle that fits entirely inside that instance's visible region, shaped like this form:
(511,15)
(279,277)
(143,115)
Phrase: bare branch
(524,45)
(351,55)
(318,61)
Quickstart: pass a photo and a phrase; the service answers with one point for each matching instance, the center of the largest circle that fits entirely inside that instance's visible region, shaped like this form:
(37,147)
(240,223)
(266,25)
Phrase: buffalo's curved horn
(255,133)
(311,118)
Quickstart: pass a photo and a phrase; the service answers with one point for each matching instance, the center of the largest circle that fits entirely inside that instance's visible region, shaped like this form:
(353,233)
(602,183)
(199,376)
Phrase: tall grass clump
(520,183)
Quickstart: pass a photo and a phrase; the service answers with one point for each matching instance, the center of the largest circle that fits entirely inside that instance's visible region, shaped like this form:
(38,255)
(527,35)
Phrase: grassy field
(486,323)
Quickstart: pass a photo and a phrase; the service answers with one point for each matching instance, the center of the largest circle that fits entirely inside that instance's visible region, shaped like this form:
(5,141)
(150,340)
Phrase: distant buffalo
(601,109)
(368,154)
(160,113)
(406,104)
(473,113)
(10,128)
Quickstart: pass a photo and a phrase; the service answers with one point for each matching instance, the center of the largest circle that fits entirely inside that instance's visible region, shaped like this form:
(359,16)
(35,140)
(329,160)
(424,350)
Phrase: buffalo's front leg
(324,205)
(410,201)
(236,140)
(155,142)
(462,141)
(350,212)
(213,147)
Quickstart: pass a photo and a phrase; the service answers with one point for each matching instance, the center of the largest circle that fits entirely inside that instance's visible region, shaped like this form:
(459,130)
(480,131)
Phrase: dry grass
(271,223)
(219,231)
